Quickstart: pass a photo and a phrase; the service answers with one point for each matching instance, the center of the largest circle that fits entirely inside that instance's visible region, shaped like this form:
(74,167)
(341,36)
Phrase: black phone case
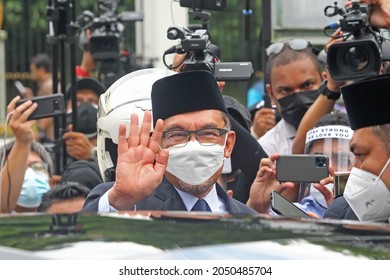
(48,106)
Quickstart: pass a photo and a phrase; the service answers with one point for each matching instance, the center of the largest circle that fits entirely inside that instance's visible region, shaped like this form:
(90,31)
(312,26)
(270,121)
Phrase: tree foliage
(26,24)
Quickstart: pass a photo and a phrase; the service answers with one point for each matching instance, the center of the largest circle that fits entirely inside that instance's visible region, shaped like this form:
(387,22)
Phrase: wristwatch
(323,89)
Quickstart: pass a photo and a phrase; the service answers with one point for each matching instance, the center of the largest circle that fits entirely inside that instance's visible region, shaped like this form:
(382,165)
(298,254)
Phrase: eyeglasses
(39,166)
(295,44)
(205,136)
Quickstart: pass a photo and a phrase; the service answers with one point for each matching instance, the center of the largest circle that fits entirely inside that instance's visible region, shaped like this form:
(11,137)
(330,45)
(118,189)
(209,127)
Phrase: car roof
(183,235)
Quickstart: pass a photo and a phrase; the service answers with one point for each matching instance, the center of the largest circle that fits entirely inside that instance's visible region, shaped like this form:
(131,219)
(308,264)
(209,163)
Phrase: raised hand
(380,13)
(21,127)
(328,194)
(264,183)
(141,163)
(263,121)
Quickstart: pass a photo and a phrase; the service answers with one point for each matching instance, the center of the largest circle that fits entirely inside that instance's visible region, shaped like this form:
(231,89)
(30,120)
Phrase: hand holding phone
(302,168)
(48,106)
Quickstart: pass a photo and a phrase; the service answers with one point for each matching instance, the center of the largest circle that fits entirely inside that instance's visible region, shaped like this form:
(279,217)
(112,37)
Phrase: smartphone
(284,207)
(302,168)
(48,106)
(19,86)
(340,180)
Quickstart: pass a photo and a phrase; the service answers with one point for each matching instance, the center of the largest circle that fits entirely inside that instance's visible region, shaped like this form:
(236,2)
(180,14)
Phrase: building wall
(151,35)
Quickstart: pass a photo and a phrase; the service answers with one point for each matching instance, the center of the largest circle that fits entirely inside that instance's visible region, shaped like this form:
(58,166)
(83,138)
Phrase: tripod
(62,34)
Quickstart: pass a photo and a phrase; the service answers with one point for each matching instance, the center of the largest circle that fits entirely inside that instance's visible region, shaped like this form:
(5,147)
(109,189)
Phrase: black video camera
(363,49)
(106,29)
(202,55)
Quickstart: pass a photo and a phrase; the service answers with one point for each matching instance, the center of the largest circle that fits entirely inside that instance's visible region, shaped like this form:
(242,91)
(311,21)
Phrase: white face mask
(194,163)
(318,196)
(367,195)
(35,185)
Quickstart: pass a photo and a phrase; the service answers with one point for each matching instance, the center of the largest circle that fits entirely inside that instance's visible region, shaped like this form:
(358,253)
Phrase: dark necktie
(201,205)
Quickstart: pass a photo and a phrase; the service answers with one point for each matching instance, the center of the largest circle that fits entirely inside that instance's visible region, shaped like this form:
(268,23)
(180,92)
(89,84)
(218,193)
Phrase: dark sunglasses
(295,44)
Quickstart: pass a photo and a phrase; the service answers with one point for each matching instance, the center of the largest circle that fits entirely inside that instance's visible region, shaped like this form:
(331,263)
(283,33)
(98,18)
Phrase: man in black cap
(367,192)
(80,144)
(192,128)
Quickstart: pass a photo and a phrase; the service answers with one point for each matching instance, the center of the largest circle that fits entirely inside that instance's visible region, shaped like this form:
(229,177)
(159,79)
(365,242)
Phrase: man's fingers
(26,113)
(155,139)
(133,136)
(122,143)
(161,162)
(144,134)
(12,104)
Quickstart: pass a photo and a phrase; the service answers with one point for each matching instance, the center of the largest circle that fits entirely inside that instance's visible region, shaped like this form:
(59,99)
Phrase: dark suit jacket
(164,198)
(340,209)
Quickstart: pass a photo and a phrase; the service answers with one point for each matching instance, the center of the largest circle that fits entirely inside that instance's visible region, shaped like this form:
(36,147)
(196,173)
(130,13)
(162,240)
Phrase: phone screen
(340,180)
(284,207)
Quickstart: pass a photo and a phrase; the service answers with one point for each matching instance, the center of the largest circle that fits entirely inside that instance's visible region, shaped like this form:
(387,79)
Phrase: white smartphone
(20,87)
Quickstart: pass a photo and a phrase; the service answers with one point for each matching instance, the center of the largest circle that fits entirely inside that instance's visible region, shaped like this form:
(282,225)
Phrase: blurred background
(242,31)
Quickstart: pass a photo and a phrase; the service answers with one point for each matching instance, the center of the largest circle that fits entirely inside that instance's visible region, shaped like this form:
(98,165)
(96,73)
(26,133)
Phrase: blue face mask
(35,184)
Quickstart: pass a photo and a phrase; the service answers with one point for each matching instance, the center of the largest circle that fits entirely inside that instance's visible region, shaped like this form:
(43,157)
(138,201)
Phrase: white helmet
(129,94)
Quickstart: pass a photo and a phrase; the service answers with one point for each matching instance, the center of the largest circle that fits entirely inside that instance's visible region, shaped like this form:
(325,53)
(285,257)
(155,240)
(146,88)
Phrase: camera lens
(356,58)
(56,104)
(320,162)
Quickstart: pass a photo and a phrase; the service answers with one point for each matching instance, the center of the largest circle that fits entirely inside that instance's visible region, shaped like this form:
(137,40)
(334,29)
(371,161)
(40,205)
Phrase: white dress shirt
(278,139)
(215,203)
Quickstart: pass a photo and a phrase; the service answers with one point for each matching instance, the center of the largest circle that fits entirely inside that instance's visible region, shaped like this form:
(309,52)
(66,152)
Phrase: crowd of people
(160,139)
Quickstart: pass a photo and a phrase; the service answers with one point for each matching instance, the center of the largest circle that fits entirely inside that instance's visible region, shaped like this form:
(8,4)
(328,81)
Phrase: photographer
(100,41)
(322,106)
(315,197)
(40,68)
(88,64)
(26,173)
(379,17)
(81,144)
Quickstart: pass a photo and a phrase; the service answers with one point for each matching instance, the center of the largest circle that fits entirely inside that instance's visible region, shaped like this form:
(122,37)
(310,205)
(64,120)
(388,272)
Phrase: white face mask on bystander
(368,195)
(35,185)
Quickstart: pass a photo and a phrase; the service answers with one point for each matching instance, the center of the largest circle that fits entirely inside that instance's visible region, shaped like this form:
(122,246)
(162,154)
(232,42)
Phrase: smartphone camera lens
(320,162)
(56,104)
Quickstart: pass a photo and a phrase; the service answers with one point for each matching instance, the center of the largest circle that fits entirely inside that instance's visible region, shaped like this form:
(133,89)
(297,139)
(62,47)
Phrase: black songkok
(186,92)
(367,101)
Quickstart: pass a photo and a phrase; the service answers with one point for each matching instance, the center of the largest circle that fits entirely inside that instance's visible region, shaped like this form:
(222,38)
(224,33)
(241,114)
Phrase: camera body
(201,55)
(107,29)
(198,5)
(363,50)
